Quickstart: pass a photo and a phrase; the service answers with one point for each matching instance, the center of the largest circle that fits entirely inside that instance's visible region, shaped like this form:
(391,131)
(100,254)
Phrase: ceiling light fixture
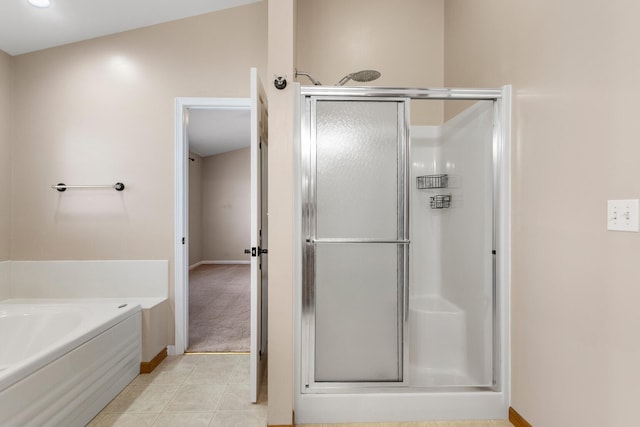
(40,3)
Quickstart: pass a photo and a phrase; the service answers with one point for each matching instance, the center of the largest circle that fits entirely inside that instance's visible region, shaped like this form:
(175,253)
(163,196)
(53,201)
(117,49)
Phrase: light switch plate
(622,215)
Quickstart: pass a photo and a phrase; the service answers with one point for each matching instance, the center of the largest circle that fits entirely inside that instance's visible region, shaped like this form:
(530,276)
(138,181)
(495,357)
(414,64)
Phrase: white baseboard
(171,350)
(229,262)
(196,265)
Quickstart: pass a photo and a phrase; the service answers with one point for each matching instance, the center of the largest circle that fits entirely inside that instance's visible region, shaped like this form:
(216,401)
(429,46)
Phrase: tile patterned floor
(211,391)
(191,390)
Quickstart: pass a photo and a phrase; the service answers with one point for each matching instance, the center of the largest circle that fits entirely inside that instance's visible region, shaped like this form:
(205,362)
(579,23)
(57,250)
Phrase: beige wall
(403,39)
(219,206)
(195,208)
(281,53)
(320,37)
(5,155)
(102,111)
(93,111)
(574,66)
(226,206)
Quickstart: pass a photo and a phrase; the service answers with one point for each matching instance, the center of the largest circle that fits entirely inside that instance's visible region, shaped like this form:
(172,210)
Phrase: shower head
(302,73)
(360,76)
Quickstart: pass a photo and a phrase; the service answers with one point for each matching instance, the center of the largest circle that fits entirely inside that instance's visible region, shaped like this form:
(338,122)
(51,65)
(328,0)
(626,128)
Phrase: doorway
(219,229)
(256,105)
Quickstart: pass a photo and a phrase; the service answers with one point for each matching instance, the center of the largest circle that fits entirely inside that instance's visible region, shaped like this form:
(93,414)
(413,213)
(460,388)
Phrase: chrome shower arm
(314,81)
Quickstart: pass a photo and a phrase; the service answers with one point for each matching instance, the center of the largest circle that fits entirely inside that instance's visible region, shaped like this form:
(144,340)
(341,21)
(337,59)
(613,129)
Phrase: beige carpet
(219,308)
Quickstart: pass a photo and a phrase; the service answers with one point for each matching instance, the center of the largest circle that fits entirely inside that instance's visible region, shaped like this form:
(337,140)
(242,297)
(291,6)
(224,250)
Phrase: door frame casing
(181,225)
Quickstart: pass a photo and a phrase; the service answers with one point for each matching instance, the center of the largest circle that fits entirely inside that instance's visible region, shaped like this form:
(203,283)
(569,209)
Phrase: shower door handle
(397,242)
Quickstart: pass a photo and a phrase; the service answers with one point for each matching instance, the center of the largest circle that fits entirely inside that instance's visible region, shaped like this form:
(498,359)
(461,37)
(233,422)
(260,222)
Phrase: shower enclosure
(403,257)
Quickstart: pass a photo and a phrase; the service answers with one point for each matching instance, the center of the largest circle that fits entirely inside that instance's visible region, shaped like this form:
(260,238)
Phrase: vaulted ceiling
(24,28)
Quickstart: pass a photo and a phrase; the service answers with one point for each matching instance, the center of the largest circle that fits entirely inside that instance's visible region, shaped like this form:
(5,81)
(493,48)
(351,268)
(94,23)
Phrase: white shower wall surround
(450,258)
(457,359)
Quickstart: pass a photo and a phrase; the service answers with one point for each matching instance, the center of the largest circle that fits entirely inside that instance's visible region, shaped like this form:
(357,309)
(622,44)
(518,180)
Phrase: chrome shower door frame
(328,395)
(308,146)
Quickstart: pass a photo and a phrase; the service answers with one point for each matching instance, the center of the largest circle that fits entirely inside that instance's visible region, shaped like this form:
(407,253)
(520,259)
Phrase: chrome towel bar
(118,186)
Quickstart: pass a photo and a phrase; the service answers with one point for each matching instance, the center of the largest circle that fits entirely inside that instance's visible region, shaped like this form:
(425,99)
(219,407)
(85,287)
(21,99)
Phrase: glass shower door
(356,251)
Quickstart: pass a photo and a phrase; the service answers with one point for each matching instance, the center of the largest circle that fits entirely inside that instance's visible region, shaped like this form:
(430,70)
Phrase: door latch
(256,251)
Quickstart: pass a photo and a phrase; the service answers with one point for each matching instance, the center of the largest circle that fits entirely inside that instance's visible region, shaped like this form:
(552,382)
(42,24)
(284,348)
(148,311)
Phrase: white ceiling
(24,28)
(215,131)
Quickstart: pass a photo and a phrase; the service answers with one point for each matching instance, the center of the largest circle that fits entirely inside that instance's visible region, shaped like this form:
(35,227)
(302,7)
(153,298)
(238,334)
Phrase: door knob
(255,251)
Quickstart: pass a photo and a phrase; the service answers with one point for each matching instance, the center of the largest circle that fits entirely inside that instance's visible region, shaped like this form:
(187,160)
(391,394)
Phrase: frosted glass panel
(357,313)
(357,169)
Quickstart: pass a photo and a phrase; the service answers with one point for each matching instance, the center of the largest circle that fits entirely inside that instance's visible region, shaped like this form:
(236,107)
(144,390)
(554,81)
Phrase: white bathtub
(61,362)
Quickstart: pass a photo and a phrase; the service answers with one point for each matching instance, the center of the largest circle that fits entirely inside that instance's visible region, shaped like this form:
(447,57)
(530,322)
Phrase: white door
(258,234)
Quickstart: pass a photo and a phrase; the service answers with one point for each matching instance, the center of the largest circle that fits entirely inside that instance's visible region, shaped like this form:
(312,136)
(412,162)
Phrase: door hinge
(183,240)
